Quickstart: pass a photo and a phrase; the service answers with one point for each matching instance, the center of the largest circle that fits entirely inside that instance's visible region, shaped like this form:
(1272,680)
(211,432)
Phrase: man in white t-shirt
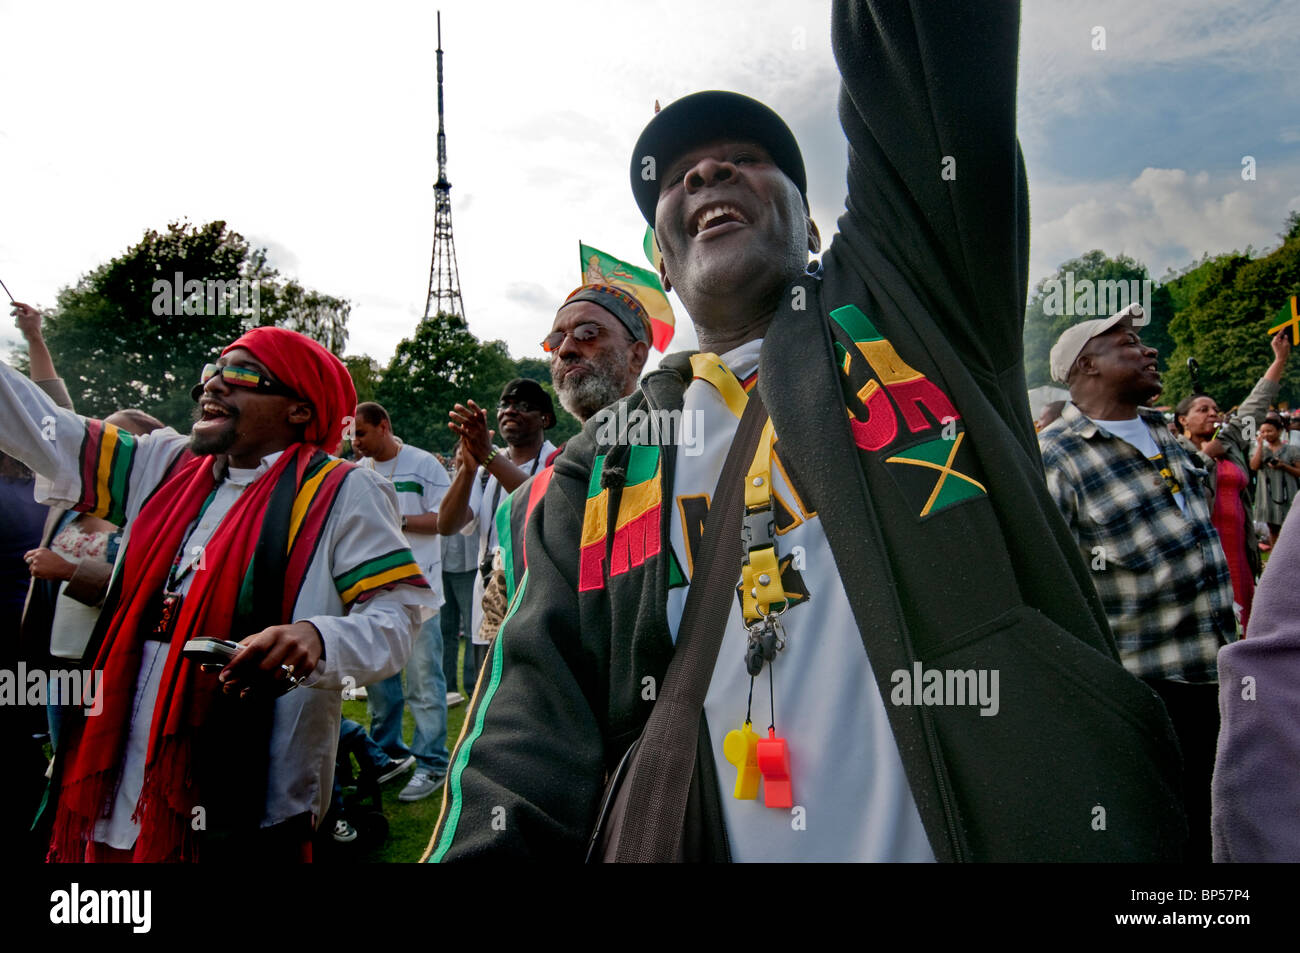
(420,481)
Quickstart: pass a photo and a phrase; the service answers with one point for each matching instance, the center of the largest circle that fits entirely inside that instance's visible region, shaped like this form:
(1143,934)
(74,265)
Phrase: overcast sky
(310,129)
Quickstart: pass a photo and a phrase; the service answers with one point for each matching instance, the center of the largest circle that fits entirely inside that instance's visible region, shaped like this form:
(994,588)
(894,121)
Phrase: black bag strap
(271,557)
(660,779)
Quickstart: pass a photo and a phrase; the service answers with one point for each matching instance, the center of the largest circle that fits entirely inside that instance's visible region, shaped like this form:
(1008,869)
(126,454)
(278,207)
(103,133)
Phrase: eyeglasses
(518,406)
(242,377)
(582,333)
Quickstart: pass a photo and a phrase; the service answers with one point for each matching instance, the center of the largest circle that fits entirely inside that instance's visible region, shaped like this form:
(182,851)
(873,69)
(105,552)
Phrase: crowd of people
(970,641)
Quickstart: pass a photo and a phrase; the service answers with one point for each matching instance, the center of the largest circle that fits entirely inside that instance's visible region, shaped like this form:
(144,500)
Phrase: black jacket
(1081,761)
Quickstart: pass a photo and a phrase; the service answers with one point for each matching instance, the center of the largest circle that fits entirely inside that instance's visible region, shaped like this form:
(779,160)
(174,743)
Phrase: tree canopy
(1084,288)
(1217,310)
(1231,302)
(136,331)
(443,364)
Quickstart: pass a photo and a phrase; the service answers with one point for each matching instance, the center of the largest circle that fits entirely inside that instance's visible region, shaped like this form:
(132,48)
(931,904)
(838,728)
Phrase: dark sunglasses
(241,377)
(582,333)
(518,406)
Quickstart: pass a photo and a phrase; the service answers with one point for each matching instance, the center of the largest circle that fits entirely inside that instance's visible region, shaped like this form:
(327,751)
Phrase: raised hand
(28,320)
(1281,344)
(470,424)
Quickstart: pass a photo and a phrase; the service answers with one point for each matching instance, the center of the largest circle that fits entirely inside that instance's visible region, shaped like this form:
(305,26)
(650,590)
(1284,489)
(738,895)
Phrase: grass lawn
(410,825)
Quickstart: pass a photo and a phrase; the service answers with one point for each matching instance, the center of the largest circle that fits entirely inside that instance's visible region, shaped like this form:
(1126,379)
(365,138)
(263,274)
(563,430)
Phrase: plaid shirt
(1161,574)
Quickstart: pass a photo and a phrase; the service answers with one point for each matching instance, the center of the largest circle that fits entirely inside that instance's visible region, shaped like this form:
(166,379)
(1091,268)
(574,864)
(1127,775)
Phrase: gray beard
(596,390)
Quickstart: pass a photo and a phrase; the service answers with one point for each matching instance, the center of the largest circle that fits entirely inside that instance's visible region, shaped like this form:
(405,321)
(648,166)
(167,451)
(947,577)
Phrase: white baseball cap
(1070,344)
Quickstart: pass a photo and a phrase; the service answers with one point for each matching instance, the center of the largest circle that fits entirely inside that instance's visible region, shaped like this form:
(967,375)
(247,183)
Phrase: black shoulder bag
(643,809)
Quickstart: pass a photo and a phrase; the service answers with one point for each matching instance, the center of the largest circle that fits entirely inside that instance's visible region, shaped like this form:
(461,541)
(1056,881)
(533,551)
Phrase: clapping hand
(470,424)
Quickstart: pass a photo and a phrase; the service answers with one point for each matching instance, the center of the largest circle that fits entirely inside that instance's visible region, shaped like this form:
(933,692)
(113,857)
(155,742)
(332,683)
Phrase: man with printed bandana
(913,527)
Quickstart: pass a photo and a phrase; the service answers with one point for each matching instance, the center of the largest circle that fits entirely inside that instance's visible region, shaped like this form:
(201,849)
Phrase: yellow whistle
(740,747)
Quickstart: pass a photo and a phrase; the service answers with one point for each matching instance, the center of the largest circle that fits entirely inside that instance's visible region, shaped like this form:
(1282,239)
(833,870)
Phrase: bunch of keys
(766,638)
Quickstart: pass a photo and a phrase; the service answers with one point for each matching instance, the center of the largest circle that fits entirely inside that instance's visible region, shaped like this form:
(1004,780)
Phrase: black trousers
(1194,710)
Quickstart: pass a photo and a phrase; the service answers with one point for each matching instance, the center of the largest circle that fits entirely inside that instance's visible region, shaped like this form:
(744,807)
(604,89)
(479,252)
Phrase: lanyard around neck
(496,494)
(760,575)
(711,368)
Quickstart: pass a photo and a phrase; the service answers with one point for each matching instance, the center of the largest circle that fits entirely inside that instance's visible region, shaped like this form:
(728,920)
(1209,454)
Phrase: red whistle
(774,763)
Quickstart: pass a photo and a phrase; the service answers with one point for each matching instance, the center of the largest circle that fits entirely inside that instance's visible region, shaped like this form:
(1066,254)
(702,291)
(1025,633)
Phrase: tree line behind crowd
(136,331)
(1217,310)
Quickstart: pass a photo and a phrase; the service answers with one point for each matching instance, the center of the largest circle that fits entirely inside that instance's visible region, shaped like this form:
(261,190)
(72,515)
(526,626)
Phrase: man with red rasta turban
(247,530)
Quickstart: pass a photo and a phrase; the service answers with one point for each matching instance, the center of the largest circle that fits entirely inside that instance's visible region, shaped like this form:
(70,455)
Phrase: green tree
(366,374)
(1291,227)
(290,305)
(136,331)
(1234,301)
(535,369)
(1045,316)
(1185,285)
(442,364)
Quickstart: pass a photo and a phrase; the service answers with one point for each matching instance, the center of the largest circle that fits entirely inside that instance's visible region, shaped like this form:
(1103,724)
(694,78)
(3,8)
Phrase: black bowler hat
(523,388)
(699,119)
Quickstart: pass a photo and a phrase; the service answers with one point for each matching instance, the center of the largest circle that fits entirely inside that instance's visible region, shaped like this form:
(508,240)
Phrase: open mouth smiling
(715,215)
(211,410)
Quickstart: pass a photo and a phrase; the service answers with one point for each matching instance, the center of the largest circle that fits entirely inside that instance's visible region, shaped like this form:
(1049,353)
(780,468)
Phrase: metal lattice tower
(444,279)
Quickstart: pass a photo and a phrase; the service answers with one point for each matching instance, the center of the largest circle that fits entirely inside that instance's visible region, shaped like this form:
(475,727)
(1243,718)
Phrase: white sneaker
(421,785)
(454,699)
(344,832)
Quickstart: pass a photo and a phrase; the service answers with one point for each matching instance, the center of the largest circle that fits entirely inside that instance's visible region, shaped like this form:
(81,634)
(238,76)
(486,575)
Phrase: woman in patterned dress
(1278,465)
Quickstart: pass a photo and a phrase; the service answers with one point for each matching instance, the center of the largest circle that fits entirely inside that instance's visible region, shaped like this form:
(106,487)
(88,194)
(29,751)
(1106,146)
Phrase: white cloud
(311,128)
(1061,73)
(1164,218)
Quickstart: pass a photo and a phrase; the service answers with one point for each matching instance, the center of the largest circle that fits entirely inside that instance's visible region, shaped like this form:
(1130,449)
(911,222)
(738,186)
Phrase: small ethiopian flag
(1289,316)
(650,246)
(600,268)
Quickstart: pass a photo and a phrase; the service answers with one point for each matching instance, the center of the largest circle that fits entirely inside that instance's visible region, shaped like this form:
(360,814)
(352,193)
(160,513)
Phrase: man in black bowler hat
(940,682)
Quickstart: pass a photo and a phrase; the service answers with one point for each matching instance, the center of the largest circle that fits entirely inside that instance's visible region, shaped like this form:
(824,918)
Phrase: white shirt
(364,642)
(483,503)
(421,482)
(1137,434)
(847,776)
